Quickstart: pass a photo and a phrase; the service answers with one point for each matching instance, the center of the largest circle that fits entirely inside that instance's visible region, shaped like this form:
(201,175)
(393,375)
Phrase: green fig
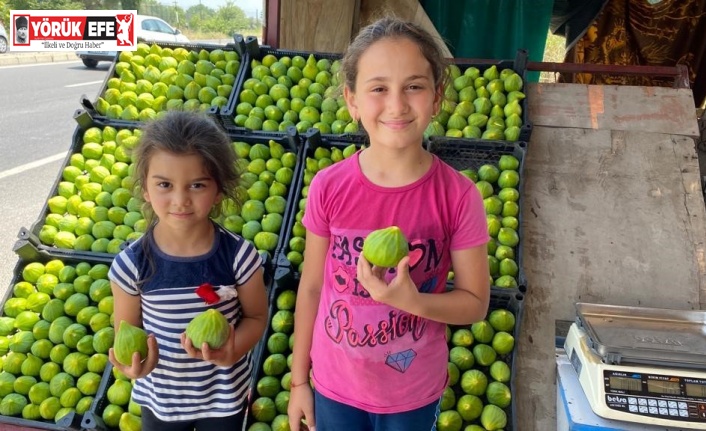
(513,108)
(491,73)
(209,327)
(515,95)
(128,340)
(385,247)
(513,83)
(349,151)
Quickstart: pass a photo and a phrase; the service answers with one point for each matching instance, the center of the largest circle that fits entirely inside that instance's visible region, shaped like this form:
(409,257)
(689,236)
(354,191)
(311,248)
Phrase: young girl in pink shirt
(374,338)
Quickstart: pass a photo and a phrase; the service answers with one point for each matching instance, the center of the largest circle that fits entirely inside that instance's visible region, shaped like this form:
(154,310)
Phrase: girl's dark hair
(390,27)
(185,133)
(189,133)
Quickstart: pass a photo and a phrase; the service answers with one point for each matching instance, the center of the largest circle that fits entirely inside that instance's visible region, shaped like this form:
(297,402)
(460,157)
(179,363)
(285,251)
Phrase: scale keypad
(678,410)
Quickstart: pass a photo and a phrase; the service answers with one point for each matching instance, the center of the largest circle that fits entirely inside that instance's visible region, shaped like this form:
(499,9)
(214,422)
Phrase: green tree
(93,4)
(130,4)
(173,15)
(7,5)
(198,15)
(229,19)
(44,4)
(4,13)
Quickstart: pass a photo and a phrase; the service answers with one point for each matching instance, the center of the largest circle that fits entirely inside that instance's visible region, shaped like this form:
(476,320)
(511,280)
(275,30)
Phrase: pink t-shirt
(364,353)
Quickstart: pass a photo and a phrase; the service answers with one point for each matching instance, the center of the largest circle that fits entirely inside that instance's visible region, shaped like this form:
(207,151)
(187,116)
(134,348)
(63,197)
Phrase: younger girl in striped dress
(185,167)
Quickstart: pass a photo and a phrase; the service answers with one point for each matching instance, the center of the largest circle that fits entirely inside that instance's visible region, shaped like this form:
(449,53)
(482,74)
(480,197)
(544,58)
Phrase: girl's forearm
(456,307)
(248,333)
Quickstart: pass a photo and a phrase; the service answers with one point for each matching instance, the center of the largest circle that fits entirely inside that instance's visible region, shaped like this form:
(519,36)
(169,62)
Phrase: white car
(149,29)
(3,39)
(153,29)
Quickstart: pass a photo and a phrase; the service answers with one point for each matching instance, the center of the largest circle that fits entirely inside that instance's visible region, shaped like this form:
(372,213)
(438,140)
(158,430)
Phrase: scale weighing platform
(641,365)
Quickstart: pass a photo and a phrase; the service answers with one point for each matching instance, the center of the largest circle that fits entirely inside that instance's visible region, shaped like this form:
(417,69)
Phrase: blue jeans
(334,416)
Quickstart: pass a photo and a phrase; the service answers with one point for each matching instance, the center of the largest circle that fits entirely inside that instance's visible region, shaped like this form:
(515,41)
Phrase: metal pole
(679,72)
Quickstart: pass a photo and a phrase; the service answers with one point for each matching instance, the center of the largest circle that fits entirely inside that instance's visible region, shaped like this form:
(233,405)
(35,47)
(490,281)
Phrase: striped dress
(181,388)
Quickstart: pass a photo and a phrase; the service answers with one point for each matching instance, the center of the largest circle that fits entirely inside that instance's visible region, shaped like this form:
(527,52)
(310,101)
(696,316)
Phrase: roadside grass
(211,35)
(553,53)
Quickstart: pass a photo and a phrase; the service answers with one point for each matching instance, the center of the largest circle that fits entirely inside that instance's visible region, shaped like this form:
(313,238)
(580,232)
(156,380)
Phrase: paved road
(14,58)
(36,129)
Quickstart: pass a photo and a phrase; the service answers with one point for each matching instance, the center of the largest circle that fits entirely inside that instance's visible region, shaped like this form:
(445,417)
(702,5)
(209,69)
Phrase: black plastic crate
(467,153)
(313,140)
(513,301)
(26,247)
(71,421)
(253,51)
(89,103)
(32,234)
(519,65)
(458,153)
(92,419)
(285,279)
(291,142)
(29,254)
(84,123)
(29,245)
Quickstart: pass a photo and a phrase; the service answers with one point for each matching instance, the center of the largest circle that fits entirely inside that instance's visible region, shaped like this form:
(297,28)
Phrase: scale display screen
(663,387)
(625,383)
(694,390)
(647,384)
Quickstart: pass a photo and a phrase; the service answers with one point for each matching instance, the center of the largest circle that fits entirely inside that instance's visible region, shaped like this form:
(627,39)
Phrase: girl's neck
(195,241)
(387,167)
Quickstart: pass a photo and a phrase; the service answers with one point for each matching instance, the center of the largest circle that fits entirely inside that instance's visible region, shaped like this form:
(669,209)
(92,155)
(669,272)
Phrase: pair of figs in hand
(209,327)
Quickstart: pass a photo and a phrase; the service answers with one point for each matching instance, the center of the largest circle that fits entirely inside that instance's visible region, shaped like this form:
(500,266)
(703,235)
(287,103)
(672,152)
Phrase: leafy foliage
(130,4)
(227,19)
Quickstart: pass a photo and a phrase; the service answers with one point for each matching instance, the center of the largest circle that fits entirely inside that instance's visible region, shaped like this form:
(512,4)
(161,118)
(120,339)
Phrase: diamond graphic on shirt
(429,285)
(400,361)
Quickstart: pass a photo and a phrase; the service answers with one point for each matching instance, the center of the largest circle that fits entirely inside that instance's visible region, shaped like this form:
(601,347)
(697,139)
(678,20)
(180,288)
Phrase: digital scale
(641,365)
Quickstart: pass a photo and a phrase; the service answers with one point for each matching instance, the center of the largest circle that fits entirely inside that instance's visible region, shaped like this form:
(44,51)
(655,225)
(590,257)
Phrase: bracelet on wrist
(294,385)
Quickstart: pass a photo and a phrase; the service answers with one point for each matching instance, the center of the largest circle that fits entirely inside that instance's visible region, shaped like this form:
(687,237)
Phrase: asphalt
(14,58)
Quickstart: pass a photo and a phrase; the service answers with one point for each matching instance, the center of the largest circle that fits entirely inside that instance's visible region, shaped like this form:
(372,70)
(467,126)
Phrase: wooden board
(329,26)
(317,25)
(614,217)
(648,109)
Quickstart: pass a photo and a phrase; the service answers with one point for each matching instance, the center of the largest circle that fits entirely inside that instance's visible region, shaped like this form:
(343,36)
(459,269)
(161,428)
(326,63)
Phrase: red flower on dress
(206,292)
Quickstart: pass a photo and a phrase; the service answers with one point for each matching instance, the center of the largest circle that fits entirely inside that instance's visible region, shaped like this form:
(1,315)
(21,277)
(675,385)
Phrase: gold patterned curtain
(645,32)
